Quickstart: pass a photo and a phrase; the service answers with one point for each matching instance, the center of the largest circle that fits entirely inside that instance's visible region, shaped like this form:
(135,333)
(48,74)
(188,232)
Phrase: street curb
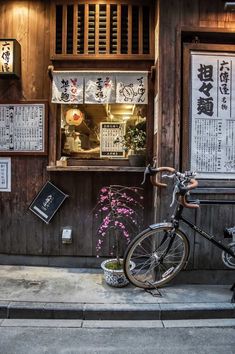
(176,311)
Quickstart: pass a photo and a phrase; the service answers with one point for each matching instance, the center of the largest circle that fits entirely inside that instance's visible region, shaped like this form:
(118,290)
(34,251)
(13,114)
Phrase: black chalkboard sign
(47,202)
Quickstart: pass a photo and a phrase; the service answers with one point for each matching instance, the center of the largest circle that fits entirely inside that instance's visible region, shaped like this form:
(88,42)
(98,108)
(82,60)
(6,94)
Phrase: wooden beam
(75,28)
(140,30)
(129,29)
(107,28)
(119,28)
(97,13)
(64,30)
(86,20)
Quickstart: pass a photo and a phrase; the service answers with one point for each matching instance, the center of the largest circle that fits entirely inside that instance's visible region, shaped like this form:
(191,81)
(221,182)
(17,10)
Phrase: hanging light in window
(229,5)
(74,116)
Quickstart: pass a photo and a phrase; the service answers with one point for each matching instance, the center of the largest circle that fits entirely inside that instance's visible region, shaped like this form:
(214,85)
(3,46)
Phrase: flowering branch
(121,209)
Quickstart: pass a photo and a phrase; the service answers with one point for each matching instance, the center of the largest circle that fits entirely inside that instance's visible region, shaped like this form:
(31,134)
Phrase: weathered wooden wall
(28,22)
(21,232)
(174,15)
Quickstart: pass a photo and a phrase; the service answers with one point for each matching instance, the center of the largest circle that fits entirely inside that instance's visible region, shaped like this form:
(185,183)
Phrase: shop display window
(97,131)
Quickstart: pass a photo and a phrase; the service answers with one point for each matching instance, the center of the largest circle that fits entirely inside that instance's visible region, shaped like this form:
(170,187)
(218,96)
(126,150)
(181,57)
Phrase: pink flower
(122,211)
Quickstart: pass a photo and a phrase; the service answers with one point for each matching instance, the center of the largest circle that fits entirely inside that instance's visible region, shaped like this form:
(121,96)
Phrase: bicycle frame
(178,217)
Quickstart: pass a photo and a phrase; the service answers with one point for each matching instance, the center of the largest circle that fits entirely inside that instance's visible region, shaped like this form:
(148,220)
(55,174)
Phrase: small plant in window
(134,141)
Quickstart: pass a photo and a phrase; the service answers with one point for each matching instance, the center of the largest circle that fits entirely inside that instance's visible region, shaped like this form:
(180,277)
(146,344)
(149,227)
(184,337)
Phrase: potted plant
(120,212)
(134,142)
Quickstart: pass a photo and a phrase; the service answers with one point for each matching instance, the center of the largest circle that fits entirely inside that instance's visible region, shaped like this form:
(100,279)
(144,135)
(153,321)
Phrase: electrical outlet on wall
(67,234)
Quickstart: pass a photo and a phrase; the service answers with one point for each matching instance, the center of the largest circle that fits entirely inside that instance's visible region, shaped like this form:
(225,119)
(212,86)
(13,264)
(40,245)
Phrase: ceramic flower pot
(115,277)
(136,159)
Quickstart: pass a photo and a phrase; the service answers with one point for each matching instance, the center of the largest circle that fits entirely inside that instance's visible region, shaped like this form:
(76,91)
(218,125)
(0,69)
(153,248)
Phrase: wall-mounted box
(10,58)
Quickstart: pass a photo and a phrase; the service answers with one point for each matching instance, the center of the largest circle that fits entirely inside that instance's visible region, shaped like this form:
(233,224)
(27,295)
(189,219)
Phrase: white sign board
(5,174)
(111,136)
(22,128)
(212,147)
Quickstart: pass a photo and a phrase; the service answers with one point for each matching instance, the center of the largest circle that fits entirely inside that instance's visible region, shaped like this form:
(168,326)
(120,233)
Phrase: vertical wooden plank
(52,133)
(129,29)
(86,22)
(140,29)
(178,101)
(36,37)
(167,91)
(46,85)
(20,17)
(7,20)
(189,12)
(119,28)
(97,23)
(75,27)
(151,29)
(64,30)
(52,29)
(108,29)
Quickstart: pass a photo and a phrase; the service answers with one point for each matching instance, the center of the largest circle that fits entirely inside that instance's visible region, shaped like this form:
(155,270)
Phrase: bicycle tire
(148,271)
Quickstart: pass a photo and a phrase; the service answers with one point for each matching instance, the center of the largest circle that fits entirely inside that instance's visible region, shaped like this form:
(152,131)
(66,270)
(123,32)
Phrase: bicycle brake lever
(176,190)
(147,171)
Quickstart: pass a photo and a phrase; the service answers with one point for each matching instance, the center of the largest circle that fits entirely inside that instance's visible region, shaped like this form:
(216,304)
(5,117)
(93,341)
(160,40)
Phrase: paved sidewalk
(69,293)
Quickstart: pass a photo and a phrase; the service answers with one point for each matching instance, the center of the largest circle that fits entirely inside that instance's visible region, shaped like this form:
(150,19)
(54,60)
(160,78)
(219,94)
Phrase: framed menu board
(23,128)
(111,135)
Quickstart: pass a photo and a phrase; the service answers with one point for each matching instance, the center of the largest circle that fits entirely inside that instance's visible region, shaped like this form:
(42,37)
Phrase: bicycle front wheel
(159,253)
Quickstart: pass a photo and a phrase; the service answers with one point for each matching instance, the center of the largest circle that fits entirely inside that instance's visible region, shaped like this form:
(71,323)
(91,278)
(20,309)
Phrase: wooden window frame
(78,164)
(97,55)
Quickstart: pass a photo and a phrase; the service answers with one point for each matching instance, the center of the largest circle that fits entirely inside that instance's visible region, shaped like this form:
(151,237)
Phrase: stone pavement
(73,293)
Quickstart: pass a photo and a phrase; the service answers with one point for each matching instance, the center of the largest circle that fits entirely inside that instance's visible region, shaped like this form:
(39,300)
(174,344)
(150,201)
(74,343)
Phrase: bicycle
(162,250)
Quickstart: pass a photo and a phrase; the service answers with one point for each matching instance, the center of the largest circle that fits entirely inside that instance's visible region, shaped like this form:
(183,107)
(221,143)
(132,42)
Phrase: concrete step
(102,324)
(102,311)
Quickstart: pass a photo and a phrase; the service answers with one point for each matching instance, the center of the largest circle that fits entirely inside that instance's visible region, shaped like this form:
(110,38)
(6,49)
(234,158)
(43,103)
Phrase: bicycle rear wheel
(159,253)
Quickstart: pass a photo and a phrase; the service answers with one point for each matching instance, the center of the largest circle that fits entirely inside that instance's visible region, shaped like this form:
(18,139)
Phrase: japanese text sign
(99,88)
(212,149)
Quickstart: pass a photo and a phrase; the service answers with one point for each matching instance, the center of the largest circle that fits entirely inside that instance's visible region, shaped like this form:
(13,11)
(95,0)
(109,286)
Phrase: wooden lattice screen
(92,29)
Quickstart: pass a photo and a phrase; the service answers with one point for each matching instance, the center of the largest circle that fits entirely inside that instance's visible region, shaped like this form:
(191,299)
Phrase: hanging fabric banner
(67,87)
(99,88)
(132,88)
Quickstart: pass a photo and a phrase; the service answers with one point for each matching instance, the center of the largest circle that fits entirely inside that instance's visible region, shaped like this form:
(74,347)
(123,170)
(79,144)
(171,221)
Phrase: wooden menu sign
(23,128)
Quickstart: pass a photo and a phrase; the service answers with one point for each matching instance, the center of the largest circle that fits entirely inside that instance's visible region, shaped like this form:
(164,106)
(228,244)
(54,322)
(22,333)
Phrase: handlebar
(184,183)
(154,180)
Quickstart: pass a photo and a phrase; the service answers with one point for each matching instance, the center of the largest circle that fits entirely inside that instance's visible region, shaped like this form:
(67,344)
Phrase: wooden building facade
(111,37)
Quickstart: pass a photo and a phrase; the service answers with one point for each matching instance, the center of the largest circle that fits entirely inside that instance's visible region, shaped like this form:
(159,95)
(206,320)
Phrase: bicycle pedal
(154,292)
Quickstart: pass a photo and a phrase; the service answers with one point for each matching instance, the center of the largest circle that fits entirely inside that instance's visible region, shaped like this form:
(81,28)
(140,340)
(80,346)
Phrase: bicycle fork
(160,259)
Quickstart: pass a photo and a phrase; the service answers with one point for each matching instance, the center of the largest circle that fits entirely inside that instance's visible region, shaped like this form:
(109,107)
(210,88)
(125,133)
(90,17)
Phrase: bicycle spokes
(157,255)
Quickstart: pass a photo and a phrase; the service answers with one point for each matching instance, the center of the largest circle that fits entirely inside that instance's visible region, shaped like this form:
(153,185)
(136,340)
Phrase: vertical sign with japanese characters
(5,174)
(67,87)
(212,148)
(132,88)
(6,56)
(111,136)
(99,88)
